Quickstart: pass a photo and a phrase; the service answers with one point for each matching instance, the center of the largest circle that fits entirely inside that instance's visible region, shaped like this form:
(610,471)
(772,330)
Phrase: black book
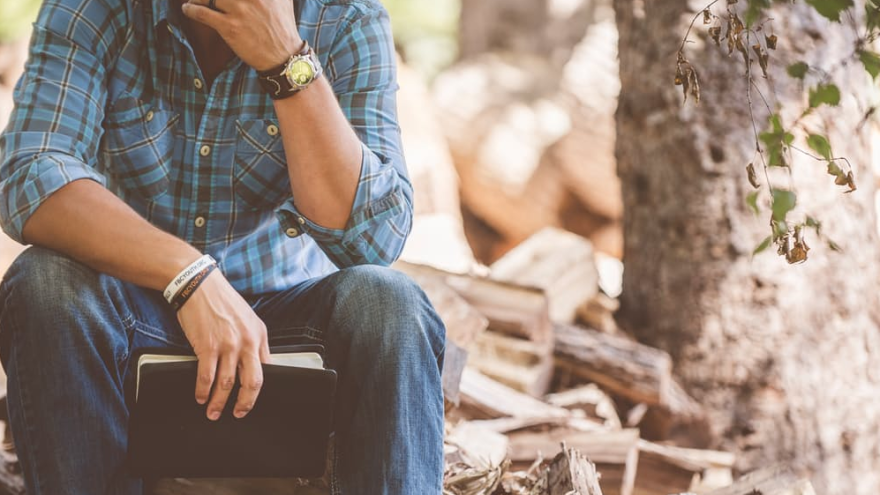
(284,435)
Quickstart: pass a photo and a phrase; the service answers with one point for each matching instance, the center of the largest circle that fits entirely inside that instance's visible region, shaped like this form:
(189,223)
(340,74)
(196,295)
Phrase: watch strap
(275,82)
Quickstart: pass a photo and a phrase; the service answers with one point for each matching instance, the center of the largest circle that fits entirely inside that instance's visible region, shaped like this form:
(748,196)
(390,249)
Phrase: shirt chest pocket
(138,146)
(260,177)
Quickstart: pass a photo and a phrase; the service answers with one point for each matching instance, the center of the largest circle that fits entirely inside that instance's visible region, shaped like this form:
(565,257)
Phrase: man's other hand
(226,336)
(262,33)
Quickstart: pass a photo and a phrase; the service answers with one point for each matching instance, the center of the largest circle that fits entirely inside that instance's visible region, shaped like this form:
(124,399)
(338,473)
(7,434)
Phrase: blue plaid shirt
(112,93)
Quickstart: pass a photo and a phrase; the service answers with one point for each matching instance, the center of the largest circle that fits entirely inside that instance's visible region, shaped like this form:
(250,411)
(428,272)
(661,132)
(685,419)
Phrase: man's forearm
(323,154)
(89,223)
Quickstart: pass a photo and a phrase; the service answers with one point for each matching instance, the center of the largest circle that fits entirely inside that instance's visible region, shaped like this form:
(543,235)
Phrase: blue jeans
(66,332)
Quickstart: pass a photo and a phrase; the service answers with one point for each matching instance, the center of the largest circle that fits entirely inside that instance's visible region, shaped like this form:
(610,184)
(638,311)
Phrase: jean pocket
(260,177)
(138,146)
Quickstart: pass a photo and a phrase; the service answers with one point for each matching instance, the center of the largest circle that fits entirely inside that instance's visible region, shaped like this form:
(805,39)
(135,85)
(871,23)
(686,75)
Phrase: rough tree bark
(787,358)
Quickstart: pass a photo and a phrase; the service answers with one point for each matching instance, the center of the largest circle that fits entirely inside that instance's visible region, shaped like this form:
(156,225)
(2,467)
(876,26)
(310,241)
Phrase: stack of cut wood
(540,403)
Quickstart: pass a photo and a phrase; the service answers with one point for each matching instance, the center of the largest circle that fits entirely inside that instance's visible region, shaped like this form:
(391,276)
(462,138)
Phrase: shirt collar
(160,11)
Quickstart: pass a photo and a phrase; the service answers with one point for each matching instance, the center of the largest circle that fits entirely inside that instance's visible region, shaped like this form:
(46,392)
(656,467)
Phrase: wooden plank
(775,480)
(518,363)
(615,453)
(486,398)
(617,364)
(571,473)
(557,261)
(664,469)
(513,309)
(591,400)
(454,361)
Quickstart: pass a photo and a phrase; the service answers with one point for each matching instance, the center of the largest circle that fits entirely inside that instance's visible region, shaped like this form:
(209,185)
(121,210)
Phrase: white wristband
(184,276)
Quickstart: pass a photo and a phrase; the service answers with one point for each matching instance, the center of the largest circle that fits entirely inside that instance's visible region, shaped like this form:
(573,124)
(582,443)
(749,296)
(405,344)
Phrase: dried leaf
(694,83)
(771,41)
(707,17)
(679,77)
(851,182)
(715,34)
(753,176)
(731,38)
(797,251)
(763,58)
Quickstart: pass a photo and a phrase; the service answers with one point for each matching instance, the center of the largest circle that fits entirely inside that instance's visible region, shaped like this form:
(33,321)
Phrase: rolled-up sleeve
(54,131)
(363,73)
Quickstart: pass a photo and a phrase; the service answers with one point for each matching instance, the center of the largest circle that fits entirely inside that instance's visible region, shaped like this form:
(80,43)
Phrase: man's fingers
(265,355)
(251,383)
(200,12)
(222,6)
(205,377)
(222,385)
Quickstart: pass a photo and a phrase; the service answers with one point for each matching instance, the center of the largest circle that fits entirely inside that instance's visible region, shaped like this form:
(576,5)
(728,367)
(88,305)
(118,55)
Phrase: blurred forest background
(523,114)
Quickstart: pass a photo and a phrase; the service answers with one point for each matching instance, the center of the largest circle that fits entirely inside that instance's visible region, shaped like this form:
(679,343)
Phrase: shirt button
(205,150)
(291,232)
(149,116)
(198,83)
(272,130)
(200,222)
(170,29)
(301,220)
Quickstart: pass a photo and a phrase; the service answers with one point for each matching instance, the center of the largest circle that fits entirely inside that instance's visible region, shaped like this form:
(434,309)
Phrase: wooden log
(571,473)
(617,364)
(518,363)
(775,480)
(615,453)
(510,308)
(598,313)
(681,420)
(560,263)
(484,398)
(591,400)
(666,469)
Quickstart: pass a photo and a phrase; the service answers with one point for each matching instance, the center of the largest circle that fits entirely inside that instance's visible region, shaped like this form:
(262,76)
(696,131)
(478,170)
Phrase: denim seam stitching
(156,333)
(313,333)
(25,405)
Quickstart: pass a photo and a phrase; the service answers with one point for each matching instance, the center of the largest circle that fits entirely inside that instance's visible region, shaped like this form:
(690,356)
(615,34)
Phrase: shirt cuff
(28,188)
(378,198)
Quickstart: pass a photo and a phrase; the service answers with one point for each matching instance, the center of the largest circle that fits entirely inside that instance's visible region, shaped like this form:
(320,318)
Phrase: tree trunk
(785,358)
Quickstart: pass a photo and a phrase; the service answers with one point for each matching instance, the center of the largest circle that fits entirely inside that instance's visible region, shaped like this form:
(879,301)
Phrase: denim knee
(50,297)
(387,308)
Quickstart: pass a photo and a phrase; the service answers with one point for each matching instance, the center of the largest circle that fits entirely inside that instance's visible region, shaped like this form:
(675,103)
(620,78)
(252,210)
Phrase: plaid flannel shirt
(112,93)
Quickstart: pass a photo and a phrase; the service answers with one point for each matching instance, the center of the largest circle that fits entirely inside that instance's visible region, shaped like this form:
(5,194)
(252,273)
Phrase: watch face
(300,72)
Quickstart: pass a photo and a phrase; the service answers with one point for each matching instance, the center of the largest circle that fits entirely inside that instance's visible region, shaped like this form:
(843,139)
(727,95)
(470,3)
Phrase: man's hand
(261,32)
(226,336)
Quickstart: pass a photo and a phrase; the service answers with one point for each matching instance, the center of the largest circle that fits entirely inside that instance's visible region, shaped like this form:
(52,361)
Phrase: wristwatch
(292,76)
